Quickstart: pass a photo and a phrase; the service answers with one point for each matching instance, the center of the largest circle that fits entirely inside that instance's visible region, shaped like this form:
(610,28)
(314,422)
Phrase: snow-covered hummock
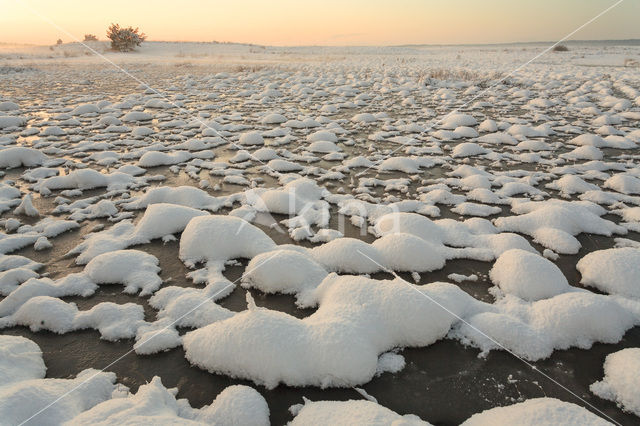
(280,165)
(528,275)
(405,164)
(286,271)
(11,278)
(537,412)
(93,397)
(410,242)
(7,121)
(571,184)
(453,120)
(475,209)
(9,106)
(103,208)
(624,183)
(352,412)
(24,391)
(159,220)
(212,240)
(9,197)
(477,238)
(113,321)
(155,404)
(19,156)
(85,179)
(133,116)
(468,149)
(322,135)
(554,223)
(614,271)
(533,330)
(251,138)
(323,147)
(21,359)
(135,269)
(358,319)
(216,239)
(300,198)
(26,207)
(157,158)
(181,195)
(621,378)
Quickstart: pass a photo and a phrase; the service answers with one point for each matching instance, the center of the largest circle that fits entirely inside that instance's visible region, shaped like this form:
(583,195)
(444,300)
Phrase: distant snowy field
(294,218)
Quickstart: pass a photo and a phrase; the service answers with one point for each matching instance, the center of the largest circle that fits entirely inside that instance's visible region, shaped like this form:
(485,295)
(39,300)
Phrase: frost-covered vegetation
(124,39)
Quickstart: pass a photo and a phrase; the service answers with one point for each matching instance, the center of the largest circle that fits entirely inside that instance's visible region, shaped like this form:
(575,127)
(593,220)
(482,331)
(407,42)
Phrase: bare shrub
(90,37)
(125,39)
(560,48)
(59,41)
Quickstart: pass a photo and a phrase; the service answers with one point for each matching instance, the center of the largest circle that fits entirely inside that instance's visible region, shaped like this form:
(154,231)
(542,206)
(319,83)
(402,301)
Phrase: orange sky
(327,22)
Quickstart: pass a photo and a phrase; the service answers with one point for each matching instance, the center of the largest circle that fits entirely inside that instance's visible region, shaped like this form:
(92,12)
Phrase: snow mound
(554,223)
(615,271)
(159,220)
(85,179)
(537,412)
(410,223)
(323,147)
(468,149)
(134,116)
(353,412)
(624,183)
(348,255)
(71,285)
(357,320)
(182,195)
(621,378)
(406,252)
(283,271)
(93,397)
(153,403)
(113,321)
(157,158)
(453,120)
(21,400)
(135,269)
(528,276)
(221,238)
(251,138)
(21,157)
(533,330)
(322,135)
(8,121)
(20,359)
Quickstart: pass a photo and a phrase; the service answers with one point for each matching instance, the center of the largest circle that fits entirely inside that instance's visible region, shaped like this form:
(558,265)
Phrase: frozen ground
(272,231)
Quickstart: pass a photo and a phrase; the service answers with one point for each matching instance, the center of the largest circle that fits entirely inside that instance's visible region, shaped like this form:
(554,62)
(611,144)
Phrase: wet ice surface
(102,176)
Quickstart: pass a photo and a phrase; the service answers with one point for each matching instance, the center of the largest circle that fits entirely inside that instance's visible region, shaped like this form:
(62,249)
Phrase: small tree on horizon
(124,39)
(90,37)
(59,41)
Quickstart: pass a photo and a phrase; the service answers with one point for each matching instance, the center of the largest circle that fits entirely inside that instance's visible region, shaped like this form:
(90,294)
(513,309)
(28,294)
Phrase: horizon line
(504,43)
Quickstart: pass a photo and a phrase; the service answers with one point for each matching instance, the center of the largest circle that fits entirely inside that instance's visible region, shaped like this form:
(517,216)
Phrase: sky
(321,22)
